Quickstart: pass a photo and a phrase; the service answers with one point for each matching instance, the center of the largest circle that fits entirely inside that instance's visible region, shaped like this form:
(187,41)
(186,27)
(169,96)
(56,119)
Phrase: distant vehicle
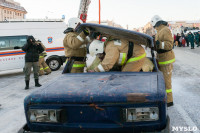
(13,35)
(192,31)
(101,102)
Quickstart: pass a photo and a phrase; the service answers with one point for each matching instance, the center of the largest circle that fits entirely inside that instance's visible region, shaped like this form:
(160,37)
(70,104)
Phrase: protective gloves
(86,31)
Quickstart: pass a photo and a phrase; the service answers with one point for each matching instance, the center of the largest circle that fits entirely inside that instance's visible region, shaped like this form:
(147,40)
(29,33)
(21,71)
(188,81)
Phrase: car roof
(119,33)
(192,31)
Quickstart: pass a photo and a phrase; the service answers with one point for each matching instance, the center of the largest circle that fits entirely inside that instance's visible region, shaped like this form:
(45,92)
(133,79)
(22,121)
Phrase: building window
(4,11)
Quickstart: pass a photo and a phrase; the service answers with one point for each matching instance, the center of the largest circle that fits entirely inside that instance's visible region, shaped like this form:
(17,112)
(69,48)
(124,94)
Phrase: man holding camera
(32,50)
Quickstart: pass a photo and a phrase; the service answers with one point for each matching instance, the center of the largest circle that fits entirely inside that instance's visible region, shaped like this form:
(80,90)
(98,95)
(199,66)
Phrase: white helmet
(155,19)
(96,47)
(73,22)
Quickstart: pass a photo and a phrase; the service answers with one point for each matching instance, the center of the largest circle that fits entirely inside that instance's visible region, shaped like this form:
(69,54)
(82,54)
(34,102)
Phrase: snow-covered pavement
(186,92)
(12,96)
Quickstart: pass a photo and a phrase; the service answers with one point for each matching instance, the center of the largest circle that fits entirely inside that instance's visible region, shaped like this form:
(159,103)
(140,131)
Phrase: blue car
(124,102)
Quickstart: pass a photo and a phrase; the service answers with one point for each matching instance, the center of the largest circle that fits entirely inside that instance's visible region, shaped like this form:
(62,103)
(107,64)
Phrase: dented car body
(101,102)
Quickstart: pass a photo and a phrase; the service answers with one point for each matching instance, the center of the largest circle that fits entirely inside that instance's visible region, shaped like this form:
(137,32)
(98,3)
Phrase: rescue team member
(165,54)
(118,52)
(191,39)
(146,67)
(32,50)
(44,68)
(75,47)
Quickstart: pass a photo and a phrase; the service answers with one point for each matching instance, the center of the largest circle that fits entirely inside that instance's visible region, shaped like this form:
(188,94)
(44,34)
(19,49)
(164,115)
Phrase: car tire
(54,63)
(167,128)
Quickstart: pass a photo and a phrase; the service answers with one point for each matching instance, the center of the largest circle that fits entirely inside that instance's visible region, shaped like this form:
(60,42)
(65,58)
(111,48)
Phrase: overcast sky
(135,13)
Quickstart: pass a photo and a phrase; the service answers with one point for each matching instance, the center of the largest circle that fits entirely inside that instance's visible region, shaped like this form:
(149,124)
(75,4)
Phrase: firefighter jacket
(116,52)
(75,44)
(165,54)
(43,54)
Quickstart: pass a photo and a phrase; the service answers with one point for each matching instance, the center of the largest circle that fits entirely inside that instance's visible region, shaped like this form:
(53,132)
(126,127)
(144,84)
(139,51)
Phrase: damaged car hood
(110,87)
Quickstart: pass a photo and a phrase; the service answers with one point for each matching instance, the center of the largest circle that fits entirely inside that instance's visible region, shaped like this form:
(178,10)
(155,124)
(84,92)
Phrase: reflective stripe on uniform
(88,39)
(163,45)
(41,69)
(122,58)
(66,61)
(46,68)
(83,46)
(41,56)
(169,90)
(166,62)
(78,65)
(100,67)
(80,38)
(136,58)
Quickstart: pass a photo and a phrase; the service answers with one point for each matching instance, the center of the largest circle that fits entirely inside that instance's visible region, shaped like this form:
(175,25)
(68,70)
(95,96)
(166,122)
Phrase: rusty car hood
(110,87)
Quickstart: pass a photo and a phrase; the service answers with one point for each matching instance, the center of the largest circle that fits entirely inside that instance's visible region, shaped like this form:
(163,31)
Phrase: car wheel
(54,63)
(167,128)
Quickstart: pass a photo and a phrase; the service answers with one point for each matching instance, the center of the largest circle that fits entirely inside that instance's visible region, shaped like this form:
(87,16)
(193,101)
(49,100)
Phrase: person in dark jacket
(32,50)
(191,39)
(187,41)
(197,39)
(178,39)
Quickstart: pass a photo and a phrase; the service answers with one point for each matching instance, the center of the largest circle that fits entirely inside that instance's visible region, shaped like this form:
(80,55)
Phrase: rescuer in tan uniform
(44,68)
(75,47)
(165,54)
(116,53)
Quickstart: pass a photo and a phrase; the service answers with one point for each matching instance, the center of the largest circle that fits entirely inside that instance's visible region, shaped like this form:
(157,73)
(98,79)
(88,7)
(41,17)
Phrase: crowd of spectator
(186,40)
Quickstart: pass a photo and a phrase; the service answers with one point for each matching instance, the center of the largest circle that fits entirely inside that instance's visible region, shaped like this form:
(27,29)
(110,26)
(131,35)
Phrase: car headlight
(44,115)
(141,114)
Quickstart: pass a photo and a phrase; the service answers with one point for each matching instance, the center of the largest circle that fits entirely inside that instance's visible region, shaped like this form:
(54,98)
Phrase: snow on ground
(12,94)
(186,88)
(186,92)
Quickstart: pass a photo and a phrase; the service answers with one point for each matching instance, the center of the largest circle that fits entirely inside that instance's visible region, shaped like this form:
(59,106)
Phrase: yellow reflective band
(46,68)
(66,61)
(169,90)
(41,56)
(78,65)
(122,58)
(136,58)
(166,62)
(41,68)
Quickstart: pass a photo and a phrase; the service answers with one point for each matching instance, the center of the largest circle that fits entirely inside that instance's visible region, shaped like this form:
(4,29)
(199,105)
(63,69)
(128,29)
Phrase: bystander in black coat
(32,50)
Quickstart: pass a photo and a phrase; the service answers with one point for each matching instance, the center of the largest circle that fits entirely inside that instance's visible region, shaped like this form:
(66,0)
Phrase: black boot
(170,104)
(37,83)
(27,84)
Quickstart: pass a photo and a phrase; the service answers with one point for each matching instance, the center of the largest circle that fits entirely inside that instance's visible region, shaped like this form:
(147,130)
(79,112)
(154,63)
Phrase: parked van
(192,31)
(13,35)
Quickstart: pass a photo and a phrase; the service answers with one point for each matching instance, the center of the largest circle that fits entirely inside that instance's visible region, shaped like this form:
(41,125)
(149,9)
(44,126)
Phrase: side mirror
(17,47)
